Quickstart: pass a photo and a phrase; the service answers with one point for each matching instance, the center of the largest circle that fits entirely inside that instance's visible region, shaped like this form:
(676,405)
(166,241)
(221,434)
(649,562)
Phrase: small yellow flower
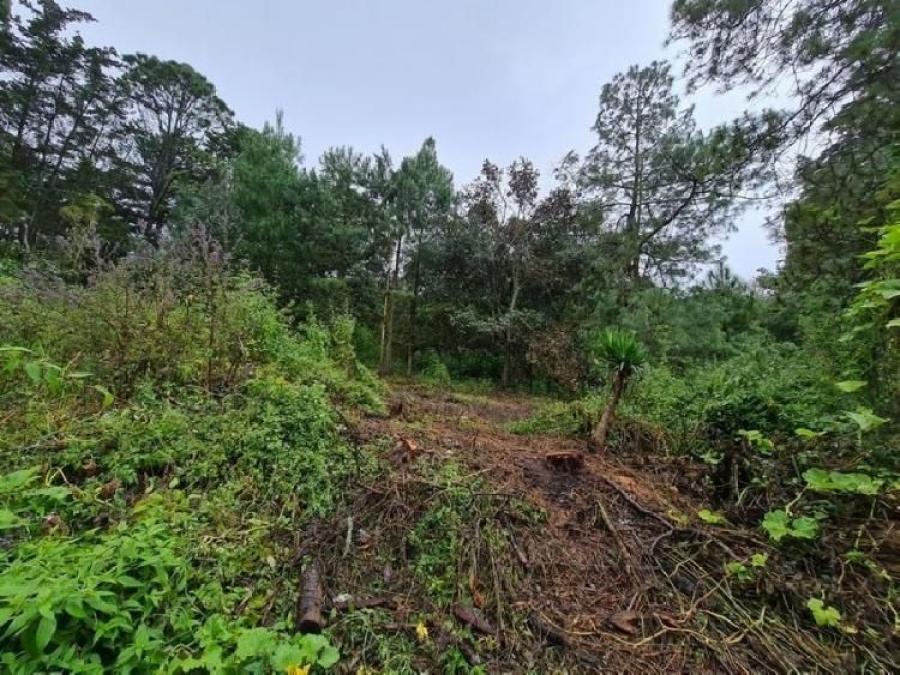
(298,670)
(421,631)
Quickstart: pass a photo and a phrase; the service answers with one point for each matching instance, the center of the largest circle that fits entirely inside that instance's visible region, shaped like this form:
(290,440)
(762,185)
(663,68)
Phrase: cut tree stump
(406,450)
(565,460)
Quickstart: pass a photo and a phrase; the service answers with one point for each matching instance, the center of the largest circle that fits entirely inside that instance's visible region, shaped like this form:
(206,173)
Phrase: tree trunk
(413,310)
(384,321)
(507,356)
(598,436)
(633,261)
(387,355)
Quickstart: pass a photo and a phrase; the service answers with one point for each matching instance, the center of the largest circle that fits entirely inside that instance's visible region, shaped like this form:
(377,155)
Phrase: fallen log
(309,603)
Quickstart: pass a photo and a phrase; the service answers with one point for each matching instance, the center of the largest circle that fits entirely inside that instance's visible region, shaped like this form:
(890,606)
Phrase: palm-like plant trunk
(600,432)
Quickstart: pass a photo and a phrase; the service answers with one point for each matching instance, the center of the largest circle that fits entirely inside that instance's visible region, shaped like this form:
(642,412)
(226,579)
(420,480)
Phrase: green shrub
(770,387)
(434,371)
(558,417)
(124,601)
(164,425)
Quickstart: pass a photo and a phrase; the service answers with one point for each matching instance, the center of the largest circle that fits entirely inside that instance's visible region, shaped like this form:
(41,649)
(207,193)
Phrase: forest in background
(188,310)
(492,278)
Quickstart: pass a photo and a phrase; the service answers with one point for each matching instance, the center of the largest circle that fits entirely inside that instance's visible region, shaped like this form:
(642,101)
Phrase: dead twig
(627,558)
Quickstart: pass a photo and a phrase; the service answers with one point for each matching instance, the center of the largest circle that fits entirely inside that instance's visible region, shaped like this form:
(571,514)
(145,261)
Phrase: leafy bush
(163,425)
(559,417)
(123,601)
(770,387)
(434,371)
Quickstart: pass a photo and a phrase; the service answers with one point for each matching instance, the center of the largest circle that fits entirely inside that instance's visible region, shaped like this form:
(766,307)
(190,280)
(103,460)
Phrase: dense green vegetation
(159,516)
(189,314)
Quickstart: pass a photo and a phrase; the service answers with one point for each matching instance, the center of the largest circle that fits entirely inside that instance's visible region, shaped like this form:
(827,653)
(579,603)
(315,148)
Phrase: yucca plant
(619,354)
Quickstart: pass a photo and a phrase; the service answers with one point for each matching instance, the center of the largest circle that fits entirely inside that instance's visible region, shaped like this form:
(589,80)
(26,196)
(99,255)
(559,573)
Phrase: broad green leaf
(849,386)
(823,615)
(34,371)
(45,631)
(9,520)
(817,479)
(99,604)
(254,642)
(830,481)
(736,569)
(12,357)
(893,323)
(107,395)
(329,656)
(312,644)
(804,528)
(287,655)
(777,524)
(11,363)
(55,493)
(141,638)
(757,441)
(865,419)
(16,480)
(53,380)
(803,432)
(759,559)
(75,608)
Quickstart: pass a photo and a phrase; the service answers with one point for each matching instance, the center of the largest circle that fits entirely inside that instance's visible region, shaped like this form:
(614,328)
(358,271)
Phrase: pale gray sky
(486,78)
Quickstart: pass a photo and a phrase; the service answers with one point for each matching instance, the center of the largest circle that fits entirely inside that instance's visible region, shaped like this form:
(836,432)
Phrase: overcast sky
(486,78)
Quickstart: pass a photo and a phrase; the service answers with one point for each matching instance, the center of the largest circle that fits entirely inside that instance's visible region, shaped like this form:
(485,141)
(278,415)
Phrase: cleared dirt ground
(562,561)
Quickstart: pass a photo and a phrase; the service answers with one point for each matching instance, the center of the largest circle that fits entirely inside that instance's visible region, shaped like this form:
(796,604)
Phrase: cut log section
(309,604)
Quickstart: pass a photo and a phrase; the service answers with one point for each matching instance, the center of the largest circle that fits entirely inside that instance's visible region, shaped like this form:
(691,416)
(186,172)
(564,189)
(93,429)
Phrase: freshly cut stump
(568,461)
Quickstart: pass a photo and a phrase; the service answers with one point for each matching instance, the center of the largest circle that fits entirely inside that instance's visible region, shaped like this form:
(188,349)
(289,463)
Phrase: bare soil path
(559,560)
